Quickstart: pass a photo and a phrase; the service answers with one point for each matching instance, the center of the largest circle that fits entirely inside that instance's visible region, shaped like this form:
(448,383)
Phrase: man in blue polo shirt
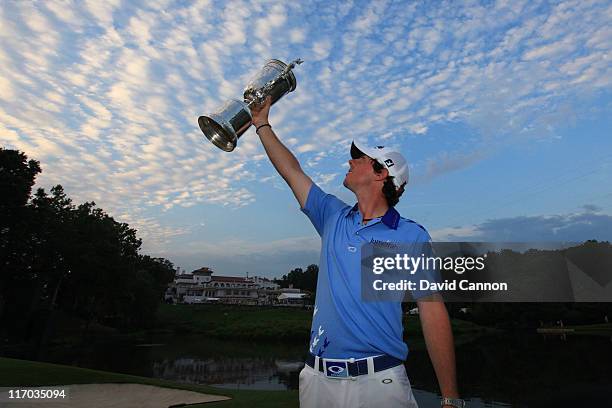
(356,350)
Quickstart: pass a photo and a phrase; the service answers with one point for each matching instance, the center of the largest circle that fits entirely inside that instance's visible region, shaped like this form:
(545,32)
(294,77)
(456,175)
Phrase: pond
(511,370)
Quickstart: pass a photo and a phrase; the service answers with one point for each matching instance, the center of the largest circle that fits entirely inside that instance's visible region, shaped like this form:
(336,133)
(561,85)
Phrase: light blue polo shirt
(343,325)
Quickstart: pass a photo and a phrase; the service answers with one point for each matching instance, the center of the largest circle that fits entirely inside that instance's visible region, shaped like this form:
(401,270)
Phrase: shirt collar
(390,219)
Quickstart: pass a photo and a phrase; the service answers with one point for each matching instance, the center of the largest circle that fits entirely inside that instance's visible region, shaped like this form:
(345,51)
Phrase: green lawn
(30,373)
(602,329)
(239,322)
(279,323)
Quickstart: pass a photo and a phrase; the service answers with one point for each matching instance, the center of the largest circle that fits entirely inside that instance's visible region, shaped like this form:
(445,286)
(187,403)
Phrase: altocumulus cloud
(106,94)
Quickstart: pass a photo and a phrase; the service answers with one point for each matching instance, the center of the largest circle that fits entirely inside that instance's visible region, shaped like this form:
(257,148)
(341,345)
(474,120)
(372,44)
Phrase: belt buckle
(337,369)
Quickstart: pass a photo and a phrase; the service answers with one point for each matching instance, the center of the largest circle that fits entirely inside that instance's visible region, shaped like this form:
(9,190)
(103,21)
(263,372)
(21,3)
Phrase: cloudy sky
(502,108)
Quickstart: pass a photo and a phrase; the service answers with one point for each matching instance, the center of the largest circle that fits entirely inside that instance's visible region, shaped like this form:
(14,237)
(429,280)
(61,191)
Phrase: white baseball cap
(392,160)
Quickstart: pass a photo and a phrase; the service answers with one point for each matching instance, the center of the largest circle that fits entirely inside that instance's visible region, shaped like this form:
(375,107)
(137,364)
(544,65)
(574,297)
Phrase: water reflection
(239,373)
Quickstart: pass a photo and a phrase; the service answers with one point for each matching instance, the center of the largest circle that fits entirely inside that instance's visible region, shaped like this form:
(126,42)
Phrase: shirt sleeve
(320,206)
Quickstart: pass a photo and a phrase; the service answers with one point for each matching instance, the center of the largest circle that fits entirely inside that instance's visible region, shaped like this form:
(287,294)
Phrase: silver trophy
(224,127)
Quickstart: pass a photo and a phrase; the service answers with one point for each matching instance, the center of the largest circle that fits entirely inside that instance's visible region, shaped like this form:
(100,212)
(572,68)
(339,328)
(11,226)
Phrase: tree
(301,279)
(17,241)
(17,177)
(77,259)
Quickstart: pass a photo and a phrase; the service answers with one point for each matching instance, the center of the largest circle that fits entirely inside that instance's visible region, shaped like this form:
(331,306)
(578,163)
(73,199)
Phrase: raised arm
(283,160)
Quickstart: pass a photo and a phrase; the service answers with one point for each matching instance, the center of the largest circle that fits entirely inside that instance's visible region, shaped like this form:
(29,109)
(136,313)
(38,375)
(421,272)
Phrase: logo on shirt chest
(384,244)
(351,248)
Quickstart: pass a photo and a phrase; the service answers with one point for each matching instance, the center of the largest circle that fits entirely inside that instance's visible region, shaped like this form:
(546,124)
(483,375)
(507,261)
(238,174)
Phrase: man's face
(360,173)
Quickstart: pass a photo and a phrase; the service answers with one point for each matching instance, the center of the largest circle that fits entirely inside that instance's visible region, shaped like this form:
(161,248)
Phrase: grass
(274,325)
(23,373)
(278,323)
(237,322)
(601,329)
(463,332)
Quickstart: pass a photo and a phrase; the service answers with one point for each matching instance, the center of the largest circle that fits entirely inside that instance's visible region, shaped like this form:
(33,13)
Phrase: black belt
(359,367)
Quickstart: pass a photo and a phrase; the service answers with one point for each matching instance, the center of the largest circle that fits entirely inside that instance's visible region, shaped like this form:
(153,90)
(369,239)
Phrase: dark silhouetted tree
(77,259)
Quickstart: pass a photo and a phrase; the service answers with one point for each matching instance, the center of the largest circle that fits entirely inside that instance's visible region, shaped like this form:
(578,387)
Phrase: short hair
(391,193)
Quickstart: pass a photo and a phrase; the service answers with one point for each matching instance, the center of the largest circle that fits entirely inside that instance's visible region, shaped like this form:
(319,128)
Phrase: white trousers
(388,388)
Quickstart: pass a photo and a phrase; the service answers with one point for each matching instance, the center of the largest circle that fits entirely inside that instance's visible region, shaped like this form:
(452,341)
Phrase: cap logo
(380,147)
(389,162)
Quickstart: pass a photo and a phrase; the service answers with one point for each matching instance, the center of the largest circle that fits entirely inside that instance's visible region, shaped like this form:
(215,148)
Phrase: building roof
(260,278)
(230,279)
(203,270)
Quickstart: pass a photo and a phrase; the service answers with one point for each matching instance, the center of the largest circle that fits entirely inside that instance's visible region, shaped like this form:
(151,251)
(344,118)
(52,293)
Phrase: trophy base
(223,128)
(217,134)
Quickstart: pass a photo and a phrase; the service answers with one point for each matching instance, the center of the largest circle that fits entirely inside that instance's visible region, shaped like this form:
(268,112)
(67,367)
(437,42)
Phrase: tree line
(594,258)
(301,279)
(542,274)
(59,256)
